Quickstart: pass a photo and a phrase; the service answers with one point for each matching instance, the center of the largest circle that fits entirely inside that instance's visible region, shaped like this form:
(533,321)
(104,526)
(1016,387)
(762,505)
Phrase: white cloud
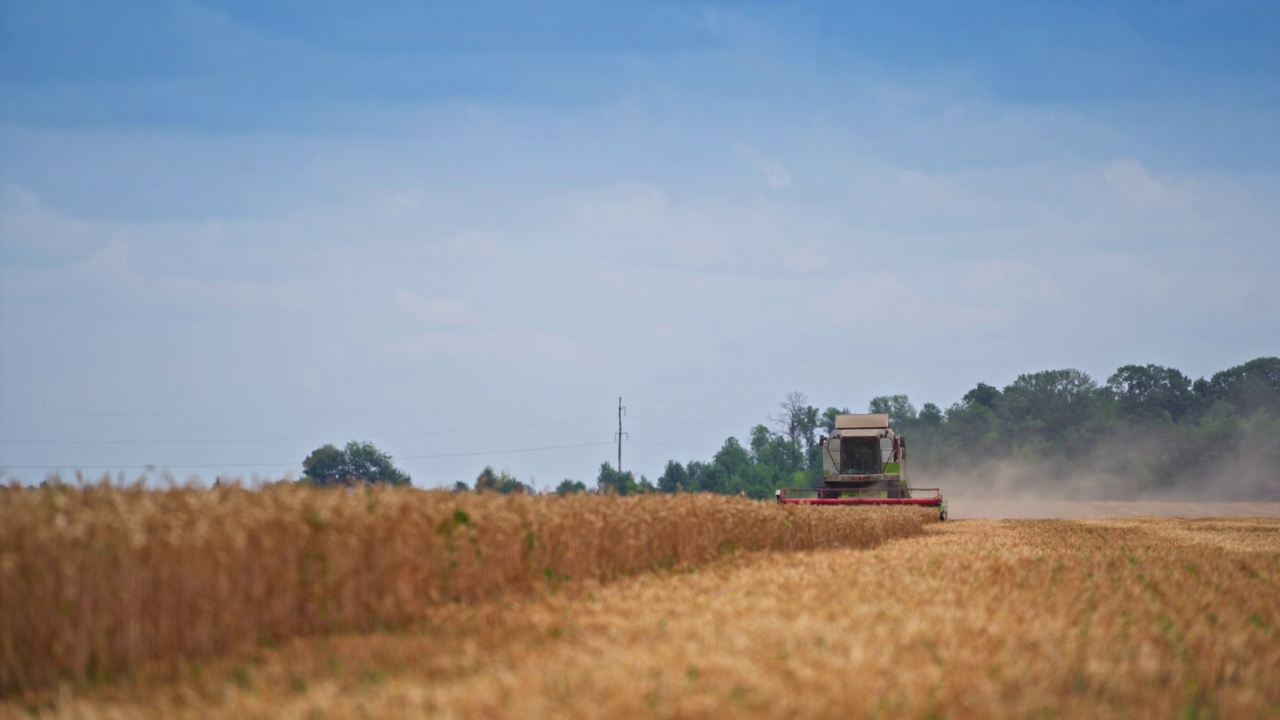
(66,256)
(464,334)
(54,254)
(704,286)
(618,280)
(439,311)
(1009,277)
(770,167)
(26,223)
(503,344)
(111,271)
(112,262)
(409,197)
(479,245)
(641,215)
(701,250)
(931,188)
(631,211)
(1131,181)
(885,306)
(15,198)
(895,99)
(661,331)
(242,293)
(1190,294)
(806,260)
(914,195)
(481,119)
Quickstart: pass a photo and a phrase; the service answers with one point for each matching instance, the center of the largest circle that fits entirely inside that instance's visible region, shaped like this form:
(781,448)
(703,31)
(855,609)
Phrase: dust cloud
(1116,480)
(965,507)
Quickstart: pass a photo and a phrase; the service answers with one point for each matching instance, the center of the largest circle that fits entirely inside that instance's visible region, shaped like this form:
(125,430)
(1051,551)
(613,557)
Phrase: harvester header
(864,462)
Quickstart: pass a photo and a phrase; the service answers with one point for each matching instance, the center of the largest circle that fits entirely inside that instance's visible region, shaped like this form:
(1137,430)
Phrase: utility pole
(621,434)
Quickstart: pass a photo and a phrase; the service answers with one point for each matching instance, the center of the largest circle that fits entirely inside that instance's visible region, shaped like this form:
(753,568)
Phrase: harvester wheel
(942,516)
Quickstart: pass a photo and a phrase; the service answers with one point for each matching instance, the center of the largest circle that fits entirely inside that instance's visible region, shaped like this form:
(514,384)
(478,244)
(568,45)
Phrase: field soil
(1100,617)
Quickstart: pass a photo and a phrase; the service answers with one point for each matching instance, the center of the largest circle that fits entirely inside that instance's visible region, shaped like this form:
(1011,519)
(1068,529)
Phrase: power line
(690,422)
(673,401)
(506,452)
(295,439)
(291,412)
(150,467)
(207,441)
(161,466)
(667,444)
(619,437)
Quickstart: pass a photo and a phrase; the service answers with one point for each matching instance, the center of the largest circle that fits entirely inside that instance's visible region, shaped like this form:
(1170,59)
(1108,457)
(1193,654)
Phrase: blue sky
(230,232)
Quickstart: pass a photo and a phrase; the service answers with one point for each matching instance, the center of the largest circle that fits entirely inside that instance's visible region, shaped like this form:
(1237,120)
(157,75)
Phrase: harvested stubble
(99,580)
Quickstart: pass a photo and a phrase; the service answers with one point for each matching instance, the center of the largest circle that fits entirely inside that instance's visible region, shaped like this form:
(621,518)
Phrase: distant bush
(358,462)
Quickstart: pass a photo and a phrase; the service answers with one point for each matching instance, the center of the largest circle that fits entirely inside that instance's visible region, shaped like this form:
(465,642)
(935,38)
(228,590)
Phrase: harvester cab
(864,462)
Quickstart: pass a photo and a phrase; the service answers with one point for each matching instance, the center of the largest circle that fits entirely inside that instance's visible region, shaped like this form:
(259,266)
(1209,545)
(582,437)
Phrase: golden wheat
(1136,618)
(98,580)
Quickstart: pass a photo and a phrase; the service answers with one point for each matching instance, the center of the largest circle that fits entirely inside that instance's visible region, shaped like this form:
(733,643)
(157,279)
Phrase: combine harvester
(864,462)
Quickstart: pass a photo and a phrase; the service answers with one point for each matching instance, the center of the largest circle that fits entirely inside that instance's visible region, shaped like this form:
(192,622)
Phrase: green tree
(897,407)
(798,420)
(611,481)
(760,437)
(570,487)
(487,480)
(1054,398)
(775,461)
(1250,387)
(972,429)
(982,394)
(368,462)
(729,467)
(829,418)
(1149,392)
(1194,449)
(503,483)
(930,416)
(357,462)
(699,476)
(775,452)
(1057,412)
(326,465)
(674,478)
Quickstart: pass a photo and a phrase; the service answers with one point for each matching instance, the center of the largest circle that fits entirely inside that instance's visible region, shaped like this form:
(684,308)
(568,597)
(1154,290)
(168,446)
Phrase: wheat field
(1138,618)
(1133,617)
(101,580)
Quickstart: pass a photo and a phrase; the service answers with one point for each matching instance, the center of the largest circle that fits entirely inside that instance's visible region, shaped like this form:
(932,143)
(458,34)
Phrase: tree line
(1150,423)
